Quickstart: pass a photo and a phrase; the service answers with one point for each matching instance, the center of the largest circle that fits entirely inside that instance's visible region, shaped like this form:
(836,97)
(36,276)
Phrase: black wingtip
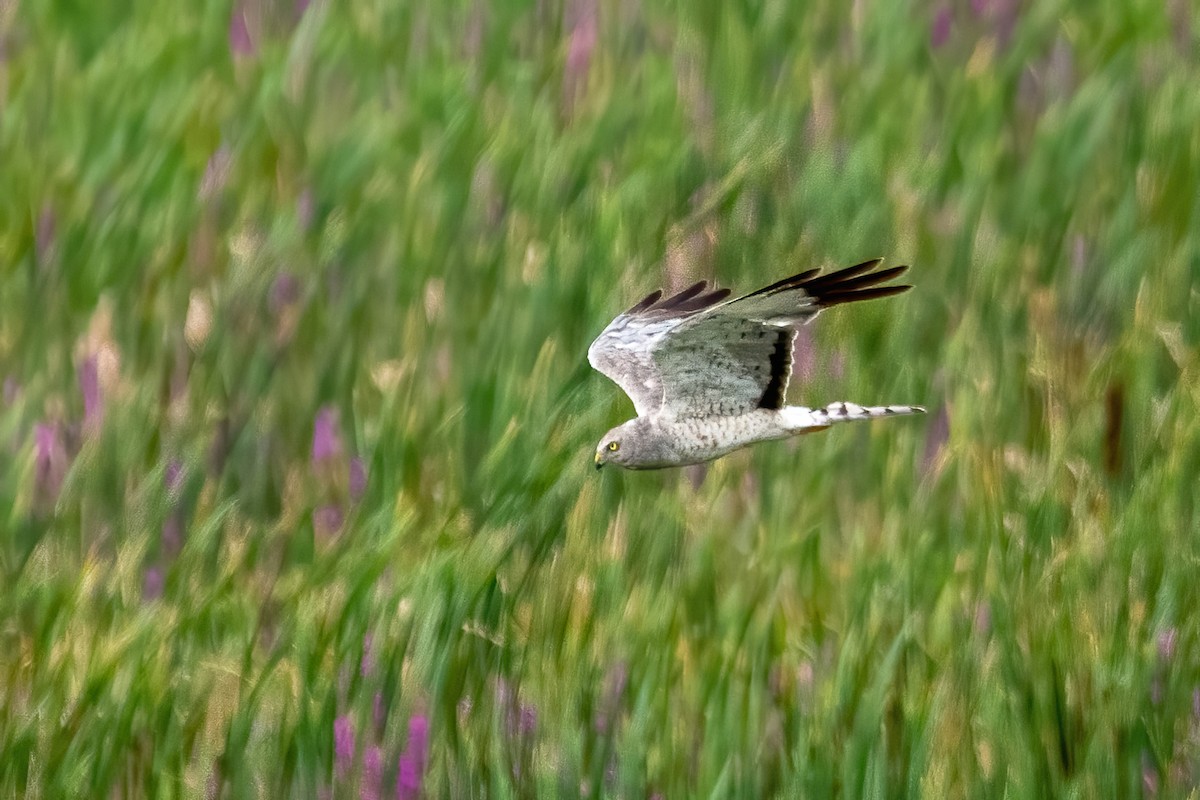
(834,298)
(860,282)
(692,299)
(646,302)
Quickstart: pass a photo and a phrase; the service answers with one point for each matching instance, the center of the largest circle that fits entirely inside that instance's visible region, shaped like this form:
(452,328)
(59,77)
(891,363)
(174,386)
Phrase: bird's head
(624,445)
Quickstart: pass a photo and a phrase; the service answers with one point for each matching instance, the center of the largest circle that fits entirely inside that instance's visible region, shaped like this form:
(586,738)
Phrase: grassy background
(251,256)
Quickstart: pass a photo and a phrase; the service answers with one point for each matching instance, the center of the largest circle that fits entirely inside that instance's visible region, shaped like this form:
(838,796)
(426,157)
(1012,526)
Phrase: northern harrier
(708,375)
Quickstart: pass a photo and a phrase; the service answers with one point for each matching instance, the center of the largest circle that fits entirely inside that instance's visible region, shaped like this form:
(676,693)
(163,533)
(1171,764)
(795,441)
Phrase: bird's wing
(734,356)
(624,350)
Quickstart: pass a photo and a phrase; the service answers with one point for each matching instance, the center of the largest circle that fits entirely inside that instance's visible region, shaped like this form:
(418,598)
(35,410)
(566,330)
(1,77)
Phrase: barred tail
(799,419)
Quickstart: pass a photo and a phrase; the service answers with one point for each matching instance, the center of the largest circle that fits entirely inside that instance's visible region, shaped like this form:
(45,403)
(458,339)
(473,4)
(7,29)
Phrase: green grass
(416,216)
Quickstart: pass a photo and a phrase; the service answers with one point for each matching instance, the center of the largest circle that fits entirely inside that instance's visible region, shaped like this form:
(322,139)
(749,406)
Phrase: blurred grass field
(296,488)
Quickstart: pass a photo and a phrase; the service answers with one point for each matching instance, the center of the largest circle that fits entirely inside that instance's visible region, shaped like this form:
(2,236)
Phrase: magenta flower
(1149,776)
(50,459)
(240,43)
(343,744)
(285,290)
(527,720)
(173,478)
(372,775)
(939,32)
(327,439)
(327,520)
(152,586)
(412,760)
(581,44)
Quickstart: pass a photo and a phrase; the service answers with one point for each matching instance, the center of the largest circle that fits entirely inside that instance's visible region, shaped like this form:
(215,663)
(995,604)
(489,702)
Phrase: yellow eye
(614,447)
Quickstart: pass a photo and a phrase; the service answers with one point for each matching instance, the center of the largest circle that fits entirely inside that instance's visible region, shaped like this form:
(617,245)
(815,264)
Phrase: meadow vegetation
(296,496)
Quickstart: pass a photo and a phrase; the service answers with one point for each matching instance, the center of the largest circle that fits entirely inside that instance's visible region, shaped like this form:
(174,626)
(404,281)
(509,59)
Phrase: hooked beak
(599,462)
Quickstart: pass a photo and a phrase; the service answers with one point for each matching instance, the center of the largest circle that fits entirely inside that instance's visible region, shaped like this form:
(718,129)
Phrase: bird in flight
(707,375)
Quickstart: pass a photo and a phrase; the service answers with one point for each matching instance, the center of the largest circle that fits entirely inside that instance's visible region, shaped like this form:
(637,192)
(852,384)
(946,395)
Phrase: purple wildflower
(372,777)
(285,290)
(1005,13)
(89,387)
(46,440)
(527,720)
(939,31)
(152,586)
(50,459)
(418,737)
(327,440)
(240,43)
(358,478)
(343,744)
(412,760)
(520,719)
(328,519)
(581,44)
(173,478)
(1149,776)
